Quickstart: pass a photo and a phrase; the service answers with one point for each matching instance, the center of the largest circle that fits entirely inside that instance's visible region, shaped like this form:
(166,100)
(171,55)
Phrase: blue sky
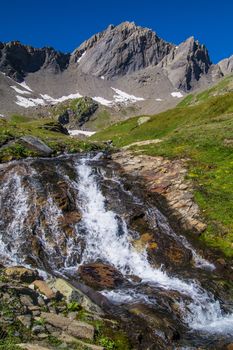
(65,24)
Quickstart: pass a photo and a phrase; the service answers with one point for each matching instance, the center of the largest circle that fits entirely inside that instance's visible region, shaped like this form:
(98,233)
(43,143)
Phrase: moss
(111,336)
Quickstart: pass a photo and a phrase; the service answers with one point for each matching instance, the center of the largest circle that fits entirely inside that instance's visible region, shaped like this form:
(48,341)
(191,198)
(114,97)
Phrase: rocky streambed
(98,225)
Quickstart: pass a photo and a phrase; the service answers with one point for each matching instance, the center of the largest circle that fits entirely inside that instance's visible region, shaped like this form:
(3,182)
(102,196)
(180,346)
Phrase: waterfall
(32,232)
(104,242)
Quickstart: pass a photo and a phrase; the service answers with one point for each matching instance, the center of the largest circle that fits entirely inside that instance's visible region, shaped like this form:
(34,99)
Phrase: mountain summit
(121,65)
(120,50)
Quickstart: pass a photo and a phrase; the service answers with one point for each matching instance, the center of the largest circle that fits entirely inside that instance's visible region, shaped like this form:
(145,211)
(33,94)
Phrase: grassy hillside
(12,130)
(203,133)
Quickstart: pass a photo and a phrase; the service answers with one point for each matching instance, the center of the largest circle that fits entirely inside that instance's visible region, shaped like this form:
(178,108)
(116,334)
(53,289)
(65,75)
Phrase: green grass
(202,133)
(225,85)
(11,131)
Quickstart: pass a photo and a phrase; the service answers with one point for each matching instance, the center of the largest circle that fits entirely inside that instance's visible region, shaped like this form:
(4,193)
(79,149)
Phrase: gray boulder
(35,144)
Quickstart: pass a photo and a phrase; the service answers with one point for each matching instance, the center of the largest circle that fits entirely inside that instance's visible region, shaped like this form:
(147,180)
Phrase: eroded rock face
(186,63)
(166,178)
(120,50)
(100,276)
(226,65)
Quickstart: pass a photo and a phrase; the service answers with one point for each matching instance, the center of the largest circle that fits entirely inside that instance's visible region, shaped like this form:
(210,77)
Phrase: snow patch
(177,94)
(103,101)
(158,99)
(46,99)
(81,132)
(25,86)
(29,102)
(79,59)
(2,115)
(23,92)
(102,77)
(60,99)
(123,97)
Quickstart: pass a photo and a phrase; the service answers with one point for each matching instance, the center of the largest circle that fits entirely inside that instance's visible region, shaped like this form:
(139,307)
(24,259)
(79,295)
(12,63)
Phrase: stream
(62,213)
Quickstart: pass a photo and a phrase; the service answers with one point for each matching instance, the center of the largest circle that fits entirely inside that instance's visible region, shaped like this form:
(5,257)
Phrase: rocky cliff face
(120,50)
(226,65)
(16,60)
(186,63)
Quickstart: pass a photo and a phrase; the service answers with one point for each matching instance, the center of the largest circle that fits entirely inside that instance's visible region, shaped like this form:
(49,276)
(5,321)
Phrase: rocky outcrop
(17,60)
(78,113)
(33,318)
(120,50)
(56,127)
(186,63)
(166,178)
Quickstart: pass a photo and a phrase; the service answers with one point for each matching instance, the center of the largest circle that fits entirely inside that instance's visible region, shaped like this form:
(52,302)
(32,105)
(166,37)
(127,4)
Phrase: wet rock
(36,145)
(178,255)
(44,289)
(100,276)
(146,241)
(158,322)
(22,274)
(74,328)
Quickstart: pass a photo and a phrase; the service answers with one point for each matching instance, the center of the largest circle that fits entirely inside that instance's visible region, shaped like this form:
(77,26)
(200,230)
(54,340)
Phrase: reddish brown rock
(100,276)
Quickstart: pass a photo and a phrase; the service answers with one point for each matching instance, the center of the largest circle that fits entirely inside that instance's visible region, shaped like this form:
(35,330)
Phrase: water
(103,242)
(29,209)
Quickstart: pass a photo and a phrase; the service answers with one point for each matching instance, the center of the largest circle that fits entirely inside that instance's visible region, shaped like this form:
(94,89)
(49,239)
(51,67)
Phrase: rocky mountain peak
(120,50)
(186,64)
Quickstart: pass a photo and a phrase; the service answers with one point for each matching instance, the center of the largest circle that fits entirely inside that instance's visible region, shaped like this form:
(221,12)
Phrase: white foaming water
(125,296)
(104,242)
(12,237)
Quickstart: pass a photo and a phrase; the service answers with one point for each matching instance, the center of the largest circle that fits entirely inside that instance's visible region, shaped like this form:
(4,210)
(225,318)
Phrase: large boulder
(100,276)
(35,144)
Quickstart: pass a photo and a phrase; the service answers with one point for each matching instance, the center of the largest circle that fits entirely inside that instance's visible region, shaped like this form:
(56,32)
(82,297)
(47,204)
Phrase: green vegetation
(110,337)
(203,134)
(221,88)
(12,130)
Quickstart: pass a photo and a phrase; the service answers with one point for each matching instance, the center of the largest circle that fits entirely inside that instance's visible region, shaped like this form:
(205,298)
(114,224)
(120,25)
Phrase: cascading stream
(32,231)
(104,242)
